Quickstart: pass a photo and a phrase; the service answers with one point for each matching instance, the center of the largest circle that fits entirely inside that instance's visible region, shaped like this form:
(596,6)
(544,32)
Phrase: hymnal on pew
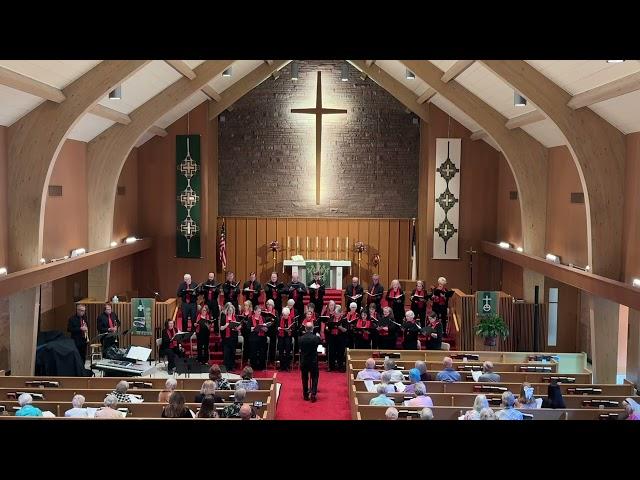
(42,383)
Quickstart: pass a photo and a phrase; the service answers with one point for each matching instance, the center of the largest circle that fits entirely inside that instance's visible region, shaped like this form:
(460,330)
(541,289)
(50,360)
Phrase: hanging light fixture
(410,75)
(295,70)
(519,100)
(345,73)
(116,93)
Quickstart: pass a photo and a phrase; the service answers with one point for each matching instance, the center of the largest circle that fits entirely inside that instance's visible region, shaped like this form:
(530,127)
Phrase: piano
(119,367)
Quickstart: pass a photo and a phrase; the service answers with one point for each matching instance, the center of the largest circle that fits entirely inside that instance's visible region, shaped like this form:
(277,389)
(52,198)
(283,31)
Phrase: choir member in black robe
(187,292)
(201,328)
(351,317)
(170,347)
(229,334)
(274,289)
(251,289)
(354,293)
(433,332)
(419,299)
(231,290)
(374,317)
(362,331)
(108,322)
(285,338)
(316,295)
(244,317)
(411,331)
(395,299)
(210,291)
(440,297)
(257,339)
(387,330)
(273,329)
(374,293)
(328,312)
(79,329)
(296,291)
(336,334)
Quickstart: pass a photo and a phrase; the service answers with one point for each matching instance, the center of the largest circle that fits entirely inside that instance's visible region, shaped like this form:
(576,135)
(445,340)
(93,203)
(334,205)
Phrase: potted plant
(490,327)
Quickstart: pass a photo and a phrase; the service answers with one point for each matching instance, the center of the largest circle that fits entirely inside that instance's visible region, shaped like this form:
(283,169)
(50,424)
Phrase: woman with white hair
(336,339)
(169,387)
(478,404)
(109,409)
(411,331)
(391,413)
(352,318)
(285,338)
(77,411)
(488,414)
(426,414)
(229,329)
(121,392)
(395,298)
(382,398)
(419,298)
(440,297)
(26,409)
(632,408)
(421,399)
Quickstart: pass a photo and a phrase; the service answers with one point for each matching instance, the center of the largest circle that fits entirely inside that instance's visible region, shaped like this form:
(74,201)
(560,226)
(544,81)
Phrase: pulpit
(336,270)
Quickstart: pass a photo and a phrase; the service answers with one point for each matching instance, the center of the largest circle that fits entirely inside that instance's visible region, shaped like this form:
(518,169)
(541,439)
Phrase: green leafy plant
(491,326)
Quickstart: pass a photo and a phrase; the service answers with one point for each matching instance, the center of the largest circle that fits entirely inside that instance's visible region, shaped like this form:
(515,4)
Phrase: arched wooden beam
(598,150)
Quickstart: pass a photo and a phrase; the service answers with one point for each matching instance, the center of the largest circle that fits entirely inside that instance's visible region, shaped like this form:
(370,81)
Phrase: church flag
(447,199)
(414,272)
(223,247)
(188,211)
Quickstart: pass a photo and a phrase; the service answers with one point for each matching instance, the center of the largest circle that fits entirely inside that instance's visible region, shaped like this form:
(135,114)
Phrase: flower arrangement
(275,246)
(359,247)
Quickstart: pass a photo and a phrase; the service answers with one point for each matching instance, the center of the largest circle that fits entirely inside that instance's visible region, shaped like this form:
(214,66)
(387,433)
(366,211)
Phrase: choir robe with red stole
(395,299)
(336,340)
(274,292)
(387,333)
(285,340)
(440,298)
(257,342)
(419,305)
(362,338)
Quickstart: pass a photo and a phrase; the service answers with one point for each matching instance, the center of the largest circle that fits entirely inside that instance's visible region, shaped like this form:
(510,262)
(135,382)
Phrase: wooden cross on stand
(318,111)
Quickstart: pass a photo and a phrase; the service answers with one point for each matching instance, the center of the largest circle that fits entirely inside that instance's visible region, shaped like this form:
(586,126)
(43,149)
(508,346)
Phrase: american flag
(223,247)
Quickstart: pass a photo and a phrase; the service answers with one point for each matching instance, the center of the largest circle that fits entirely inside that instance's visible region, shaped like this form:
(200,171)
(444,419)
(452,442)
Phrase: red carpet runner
(332,404)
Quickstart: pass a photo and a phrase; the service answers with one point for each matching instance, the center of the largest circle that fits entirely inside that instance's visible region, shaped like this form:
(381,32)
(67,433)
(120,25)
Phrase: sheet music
(476,374)
(370,386)
(321,350)
(400,387)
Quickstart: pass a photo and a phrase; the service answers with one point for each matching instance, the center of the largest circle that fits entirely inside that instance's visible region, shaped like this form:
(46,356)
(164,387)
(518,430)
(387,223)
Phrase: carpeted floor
(332,404)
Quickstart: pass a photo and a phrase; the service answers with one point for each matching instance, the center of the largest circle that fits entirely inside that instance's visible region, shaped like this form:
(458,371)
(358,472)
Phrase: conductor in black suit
(309,361)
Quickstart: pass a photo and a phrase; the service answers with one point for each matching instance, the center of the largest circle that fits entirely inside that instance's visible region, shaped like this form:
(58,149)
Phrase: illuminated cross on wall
(318,111)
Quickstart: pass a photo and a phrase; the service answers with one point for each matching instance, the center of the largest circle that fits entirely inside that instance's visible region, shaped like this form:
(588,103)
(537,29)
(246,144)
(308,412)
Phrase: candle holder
(359,247)
(275,248)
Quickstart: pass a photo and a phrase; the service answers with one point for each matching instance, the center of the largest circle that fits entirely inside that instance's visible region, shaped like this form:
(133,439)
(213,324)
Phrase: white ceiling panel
(397,70)
(443,65)
(57,73)
(144,139)
(545,132)
(622,112)
(239,69)
(146,83)
(193,63)
(89,127)
(15,104)
(192,102)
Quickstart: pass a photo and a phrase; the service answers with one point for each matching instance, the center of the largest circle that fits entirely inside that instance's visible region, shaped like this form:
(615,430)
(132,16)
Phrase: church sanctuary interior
(319,239)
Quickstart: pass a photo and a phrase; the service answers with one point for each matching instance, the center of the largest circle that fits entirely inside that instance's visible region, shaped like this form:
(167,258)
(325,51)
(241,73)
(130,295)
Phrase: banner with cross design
(142,315)
(447,199)
(188,196)
(487,303)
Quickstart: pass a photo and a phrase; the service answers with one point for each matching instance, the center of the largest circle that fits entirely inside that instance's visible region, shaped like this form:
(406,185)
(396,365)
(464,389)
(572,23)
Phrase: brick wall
(369,155)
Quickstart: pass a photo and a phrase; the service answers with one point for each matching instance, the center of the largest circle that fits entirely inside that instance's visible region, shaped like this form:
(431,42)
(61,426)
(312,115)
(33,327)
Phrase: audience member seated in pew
(385,379)
(246,412)
(207,407)
(554,397)
(233,410)
(424,375)
(26,409)
(479,404)
(169,387)
(77,411)
(632,409)
(414,377)
(448,374)
(526,398)
(391,413)
(487,373)
(109,409)
(487,414)
(369,372)
(390,366)
(121,392)
(421,399)
(382,398)
(247,382)
(176,407)
(215,374)
(426,414)
(208,389)
(508,411)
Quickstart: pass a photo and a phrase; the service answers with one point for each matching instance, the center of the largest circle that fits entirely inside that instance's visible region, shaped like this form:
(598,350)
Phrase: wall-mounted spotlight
(615,61)
(113,244)
(553,258)
(410,75)
(519,100)
(520,249)
(295,70)
(504,245)
(635,283)
(227,72)
(344,76)
(130,240)
(3,271)
(43,261)
(116,93)
(77,252)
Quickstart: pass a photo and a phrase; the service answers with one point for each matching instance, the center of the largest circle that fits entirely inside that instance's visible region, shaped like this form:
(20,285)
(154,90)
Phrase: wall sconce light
(3,271)
(520,249)
(113,244)
(77,252)
(43,261)
(227,72)
(130,240)
(636,281)
(553,258)
(504,245)
(615,61)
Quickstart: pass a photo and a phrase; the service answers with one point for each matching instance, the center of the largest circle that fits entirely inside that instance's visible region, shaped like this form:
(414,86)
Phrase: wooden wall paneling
(253,247)
(394,238)
(291,232)
(363,235)
(312,232)
(332,231)
(265,263)
(383,236)
(241,248)
(231,245)
(280,234)
(374,246)
(404,270)
(301,230)
(353,238)
(322,227)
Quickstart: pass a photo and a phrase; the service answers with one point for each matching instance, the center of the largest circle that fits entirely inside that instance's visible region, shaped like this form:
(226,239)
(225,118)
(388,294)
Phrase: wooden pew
(98,395)
(371,412)
(139,410)
(539,388)
(467,366)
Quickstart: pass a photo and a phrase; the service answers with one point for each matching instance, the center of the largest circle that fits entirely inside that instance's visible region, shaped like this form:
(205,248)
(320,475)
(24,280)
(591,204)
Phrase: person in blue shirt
(448,374)
(508,412)
(26,409)
(382,398)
